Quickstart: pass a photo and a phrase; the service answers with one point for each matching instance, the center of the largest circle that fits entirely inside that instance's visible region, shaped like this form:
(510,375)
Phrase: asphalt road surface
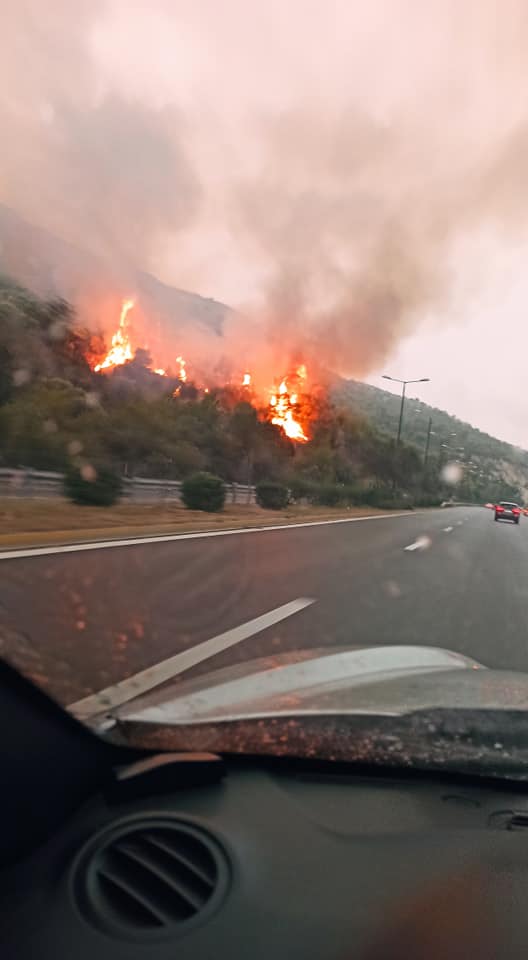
(81,621)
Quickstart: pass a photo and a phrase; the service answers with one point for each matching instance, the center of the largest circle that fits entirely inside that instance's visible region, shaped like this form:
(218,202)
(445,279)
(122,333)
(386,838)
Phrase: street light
(430,433)
(404,384)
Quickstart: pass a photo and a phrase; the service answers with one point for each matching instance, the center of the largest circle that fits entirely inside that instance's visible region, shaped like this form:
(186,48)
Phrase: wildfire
(289,405)
(121,350)
(283,408)
(182,372)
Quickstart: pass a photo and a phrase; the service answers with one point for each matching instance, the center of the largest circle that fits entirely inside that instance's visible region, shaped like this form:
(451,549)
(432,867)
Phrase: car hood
(380,681)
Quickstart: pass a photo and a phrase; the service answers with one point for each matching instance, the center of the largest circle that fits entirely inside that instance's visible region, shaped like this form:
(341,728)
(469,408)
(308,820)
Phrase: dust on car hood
(380,681)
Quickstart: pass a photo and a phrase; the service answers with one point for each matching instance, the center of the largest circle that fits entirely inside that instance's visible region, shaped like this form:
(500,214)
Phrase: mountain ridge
(451,438)
(51,266)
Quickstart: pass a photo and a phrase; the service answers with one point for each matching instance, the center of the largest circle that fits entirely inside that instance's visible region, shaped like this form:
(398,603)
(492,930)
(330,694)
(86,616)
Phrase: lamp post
(428,441)
(404,384)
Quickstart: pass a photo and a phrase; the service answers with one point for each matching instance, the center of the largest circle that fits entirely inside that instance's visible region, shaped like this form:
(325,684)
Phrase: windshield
(261,449)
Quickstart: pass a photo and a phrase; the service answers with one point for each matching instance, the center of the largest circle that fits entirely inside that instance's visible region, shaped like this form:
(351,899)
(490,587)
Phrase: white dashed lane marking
(421,543)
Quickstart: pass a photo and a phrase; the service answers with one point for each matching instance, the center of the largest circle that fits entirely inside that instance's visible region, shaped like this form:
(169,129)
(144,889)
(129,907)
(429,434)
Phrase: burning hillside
(285,403)
(121,350)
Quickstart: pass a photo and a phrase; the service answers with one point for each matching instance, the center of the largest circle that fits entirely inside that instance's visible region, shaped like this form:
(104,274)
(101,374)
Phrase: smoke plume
(95,167)
(343,187)
(359,224)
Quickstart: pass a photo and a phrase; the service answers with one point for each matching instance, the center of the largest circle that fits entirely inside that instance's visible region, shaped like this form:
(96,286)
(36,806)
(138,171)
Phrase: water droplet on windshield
(452,473)
(20,377)
(88,472)
(392,589)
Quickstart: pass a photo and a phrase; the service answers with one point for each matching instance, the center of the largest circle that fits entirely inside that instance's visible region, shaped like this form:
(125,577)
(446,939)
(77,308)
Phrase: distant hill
(50,266)
(465,443)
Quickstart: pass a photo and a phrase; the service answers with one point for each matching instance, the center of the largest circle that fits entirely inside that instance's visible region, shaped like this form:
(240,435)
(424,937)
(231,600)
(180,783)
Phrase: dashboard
(270,861)
(108,853)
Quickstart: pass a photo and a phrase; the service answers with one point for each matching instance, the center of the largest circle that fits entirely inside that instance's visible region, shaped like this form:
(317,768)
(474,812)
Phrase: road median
(31,523)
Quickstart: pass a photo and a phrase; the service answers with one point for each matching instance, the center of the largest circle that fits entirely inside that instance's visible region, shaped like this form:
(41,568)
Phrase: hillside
(451,438)
(50,266)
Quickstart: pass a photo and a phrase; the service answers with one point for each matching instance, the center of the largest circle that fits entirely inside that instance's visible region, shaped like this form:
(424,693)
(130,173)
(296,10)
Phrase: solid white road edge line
(170,537)
(119,693)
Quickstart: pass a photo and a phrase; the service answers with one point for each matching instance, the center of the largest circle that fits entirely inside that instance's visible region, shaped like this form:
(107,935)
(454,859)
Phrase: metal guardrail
(47,485)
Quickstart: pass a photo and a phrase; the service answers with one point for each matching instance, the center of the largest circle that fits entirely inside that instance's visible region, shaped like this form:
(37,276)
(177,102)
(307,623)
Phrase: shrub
(203,491)
(427,500)
(386,498)
(272,496)
(352,494)
(328,495)
(301,489)
(378,496)
(88,486)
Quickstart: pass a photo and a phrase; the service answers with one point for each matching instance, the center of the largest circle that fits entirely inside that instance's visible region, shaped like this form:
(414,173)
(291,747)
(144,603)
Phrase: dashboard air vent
(150,877)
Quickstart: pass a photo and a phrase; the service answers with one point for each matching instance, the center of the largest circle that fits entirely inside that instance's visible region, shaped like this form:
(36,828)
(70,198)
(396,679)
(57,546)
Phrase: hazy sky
(354,172)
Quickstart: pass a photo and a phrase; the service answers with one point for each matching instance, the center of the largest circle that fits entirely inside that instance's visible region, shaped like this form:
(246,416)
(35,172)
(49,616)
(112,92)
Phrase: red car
(508,511)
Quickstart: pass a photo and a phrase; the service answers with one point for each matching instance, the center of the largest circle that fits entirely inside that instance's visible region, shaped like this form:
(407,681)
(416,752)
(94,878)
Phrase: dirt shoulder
(42,522)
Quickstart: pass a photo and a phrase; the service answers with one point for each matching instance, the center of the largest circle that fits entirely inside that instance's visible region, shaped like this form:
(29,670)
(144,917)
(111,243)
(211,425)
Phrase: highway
(81,621)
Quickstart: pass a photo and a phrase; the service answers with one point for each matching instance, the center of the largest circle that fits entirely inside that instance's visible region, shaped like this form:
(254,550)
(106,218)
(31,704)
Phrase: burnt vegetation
(57,414)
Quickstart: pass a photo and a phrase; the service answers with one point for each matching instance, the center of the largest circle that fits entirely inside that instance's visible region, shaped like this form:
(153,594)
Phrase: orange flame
(182,373)
(283,408)
(120,351)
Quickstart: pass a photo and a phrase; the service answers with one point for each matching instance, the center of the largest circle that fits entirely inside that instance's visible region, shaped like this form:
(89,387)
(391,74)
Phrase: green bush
(378,496)
(328,495)
(352,495)
(427,500)
(203,491)
(301,489)
(385,498)
(272,496)
(88,486)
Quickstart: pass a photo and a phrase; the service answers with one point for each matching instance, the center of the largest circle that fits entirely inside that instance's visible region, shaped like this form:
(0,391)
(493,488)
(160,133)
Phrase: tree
(6,374)
(244,427)
(40,423)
